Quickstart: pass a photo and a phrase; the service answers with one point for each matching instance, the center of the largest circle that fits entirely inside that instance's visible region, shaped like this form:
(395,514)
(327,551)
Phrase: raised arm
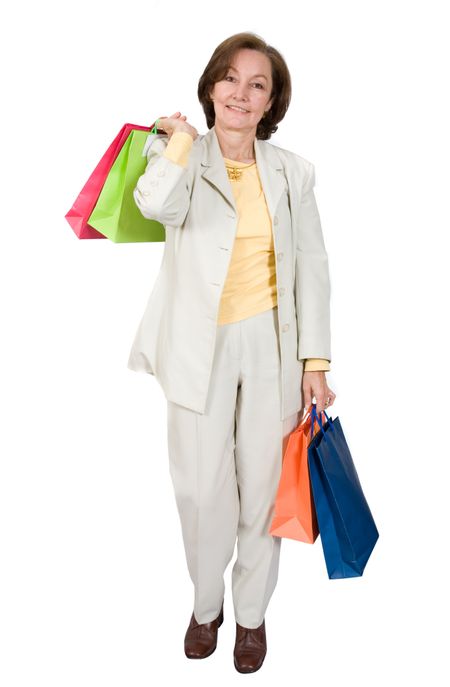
(162,193)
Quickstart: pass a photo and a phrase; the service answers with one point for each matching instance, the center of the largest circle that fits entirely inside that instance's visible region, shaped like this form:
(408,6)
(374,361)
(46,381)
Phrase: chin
(235,123)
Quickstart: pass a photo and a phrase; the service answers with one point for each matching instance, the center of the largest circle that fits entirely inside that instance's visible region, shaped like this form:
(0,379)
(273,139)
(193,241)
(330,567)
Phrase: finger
(321,403)
(331,398)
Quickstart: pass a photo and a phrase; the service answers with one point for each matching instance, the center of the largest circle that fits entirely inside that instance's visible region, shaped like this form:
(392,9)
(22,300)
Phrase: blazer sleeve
(163,192)
(312,279)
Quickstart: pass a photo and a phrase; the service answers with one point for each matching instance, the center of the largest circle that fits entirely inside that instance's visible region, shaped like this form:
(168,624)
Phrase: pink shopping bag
(83,206)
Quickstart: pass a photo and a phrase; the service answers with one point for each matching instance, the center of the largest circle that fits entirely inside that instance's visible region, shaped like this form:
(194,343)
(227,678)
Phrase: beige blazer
(175,338)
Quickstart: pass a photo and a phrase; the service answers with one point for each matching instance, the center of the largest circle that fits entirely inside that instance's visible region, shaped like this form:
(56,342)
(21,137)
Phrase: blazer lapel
(271,173)
(270,169)
(214,167)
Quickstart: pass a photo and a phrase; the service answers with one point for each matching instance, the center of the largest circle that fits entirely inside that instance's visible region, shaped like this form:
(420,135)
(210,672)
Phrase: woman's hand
(314,383)
(177,122)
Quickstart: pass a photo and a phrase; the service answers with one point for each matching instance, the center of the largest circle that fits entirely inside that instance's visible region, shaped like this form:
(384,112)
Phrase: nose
(240,92)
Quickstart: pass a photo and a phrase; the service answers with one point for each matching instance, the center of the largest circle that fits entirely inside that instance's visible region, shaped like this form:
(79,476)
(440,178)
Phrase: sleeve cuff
(179,147)
(314,364)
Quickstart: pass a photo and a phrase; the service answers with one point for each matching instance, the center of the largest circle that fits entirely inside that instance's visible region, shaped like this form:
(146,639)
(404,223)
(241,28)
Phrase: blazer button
(285,327)
(275,220)
(146,193)
(279,256)
(161,173)
(282,290)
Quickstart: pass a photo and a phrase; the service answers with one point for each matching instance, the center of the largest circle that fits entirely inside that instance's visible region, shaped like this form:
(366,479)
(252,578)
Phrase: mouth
(234,109)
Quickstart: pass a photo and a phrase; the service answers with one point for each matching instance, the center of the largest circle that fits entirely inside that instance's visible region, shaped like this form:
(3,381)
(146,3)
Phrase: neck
(236,144)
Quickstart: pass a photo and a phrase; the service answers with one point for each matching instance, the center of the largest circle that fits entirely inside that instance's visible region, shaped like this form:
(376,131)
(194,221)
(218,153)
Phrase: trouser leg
(261,439)
(202,467)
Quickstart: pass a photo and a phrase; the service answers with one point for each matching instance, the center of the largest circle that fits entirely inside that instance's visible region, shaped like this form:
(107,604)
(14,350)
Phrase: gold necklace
(235,173)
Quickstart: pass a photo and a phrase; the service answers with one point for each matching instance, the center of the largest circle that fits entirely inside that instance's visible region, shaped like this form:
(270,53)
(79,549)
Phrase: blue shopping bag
(347,529)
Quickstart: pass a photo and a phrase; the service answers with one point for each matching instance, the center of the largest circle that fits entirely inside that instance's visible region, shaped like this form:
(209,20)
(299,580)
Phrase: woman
(236,329)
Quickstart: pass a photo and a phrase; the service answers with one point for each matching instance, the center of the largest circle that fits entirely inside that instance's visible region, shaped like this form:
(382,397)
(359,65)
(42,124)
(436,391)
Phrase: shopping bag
(294,513)
(116,214)
(347,529)
(78,214)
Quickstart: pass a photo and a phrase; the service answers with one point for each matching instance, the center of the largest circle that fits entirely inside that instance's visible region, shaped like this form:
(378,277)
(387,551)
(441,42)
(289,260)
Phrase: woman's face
(247,84)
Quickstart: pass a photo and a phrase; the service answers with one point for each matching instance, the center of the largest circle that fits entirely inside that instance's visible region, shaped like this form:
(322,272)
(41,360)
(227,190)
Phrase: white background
(94,586)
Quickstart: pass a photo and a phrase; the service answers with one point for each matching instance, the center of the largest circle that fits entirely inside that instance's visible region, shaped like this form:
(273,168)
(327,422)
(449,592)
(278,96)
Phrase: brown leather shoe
(201,638)
(250,648)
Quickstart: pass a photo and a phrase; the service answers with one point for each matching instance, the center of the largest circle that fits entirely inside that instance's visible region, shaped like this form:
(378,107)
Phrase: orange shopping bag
(295,514)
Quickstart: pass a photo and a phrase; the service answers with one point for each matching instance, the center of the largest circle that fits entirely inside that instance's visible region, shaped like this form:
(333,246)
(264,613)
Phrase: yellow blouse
(250,286)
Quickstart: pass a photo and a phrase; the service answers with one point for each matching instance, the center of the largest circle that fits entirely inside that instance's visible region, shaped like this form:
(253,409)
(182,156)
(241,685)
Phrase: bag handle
(315,416)
(305,419)
(154,129)
(301,427)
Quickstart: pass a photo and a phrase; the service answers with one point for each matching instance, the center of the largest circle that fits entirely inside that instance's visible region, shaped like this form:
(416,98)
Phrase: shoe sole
(245,670)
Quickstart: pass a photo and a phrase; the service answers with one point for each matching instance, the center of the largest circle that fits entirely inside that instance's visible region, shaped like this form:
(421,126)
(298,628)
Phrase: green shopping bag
(116,214)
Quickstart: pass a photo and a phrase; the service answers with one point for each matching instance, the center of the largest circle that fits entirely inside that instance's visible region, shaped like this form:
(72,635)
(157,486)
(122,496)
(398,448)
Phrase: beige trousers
(225,466)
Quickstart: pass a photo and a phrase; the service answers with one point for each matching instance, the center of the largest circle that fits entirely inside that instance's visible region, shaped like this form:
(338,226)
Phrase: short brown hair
(218,65)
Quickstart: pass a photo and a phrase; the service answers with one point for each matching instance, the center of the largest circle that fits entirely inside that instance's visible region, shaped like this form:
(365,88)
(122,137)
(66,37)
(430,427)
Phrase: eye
(256,82)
